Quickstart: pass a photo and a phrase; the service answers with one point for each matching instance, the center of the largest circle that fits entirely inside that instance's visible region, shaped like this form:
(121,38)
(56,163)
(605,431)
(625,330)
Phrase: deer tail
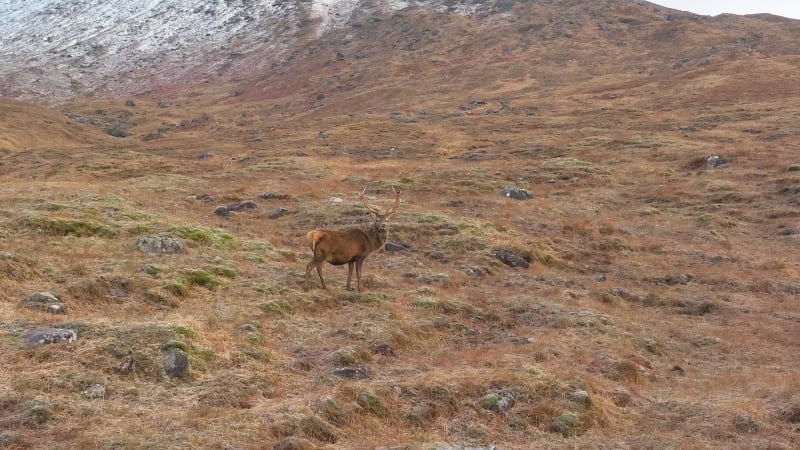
(313,237)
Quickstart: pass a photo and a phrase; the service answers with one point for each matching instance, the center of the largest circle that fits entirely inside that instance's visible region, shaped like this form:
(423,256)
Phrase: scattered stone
(516,193)
(396,247)
(336,200)
(600,278)
(715,161)
(456,203)
(42,336)
(156,244)
(202,197)
(127,365)
(222,211)
(477,272)
(322,135)
(205,155)
(45,301)
(511,258)
(176,363)
(672,280)
(94,391)
(499,402)
(351,373)
(272,196)
(130,103)
(677,370)
(279,212)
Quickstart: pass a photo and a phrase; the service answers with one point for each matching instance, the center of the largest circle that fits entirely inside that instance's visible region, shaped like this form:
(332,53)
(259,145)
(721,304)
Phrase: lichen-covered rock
(176,363)
(499,402)
(42,336)
(156,244)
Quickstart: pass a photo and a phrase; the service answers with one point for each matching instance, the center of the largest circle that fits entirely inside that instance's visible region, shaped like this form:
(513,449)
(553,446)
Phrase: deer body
(350,246)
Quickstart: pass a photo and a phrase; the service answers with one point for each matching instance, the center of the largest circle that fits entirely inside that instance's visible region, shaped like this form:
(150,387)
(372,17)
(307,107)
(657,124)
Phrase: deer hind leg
(318,264)
(349,275)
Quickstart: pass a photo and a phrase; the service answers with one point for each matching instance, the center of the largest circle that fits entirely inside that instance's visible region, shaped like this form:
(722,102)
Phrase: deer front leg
(349,275)
(358,273)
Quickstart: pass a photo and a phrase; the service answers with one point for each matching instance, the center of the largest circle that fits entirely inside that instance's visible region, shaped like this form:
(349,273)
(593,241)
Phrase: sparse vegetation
(643,297)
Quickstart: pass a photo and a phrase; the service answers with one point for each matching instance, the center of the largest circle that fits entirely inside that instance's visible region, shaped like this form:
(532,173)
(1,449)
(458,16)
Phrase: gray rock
(94,391)
(516,193)
(511,259)
(127,365)
(272,196)
(156,244)
(176,363)
(395,247)
(225,210)
(222,211)
(45,301)
(582,398)
(715,161)
(42,336)
(247,204)
(351,373)
(279,212)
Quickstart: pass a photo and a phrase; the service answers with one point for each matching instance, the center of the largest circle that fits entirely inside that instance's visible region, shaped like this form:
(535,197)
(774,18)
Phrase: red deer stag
(350,246)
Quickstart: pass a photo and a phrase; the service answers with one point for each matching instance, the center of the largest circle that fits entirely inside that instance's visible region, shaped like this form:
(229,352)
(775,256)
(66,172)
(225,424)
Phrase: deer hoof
(349,288)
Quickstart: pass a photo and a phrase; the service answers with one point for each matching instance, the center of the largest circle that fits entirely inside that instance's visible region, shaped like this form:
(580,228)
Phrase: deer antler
(371,209)
(396,202)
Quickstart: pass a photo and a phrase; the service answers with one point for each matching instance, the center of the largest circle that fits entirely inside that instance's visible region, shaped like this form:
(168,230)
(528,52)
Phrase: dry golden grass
(664,290)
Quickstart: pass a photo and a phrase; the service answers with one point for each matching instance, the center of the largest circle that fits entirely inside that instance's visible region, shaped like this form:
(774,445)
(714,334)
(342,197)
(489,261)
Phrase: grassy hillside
(658,309)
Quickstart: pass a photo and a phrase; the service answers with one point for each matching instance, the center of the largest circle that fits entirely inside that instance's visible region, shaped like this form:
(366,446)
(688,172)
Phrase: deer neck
(377,237)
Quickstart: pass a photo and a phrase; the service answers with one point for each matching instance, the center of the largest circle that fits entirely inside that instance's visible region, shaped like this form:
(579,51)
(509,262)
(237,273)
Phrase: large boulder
(42,336)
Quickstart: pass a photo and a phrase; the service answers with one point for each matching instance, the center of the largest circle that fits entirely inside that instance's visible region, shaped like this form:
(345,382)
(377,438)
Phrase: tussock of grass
(214,237)
(66,227)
